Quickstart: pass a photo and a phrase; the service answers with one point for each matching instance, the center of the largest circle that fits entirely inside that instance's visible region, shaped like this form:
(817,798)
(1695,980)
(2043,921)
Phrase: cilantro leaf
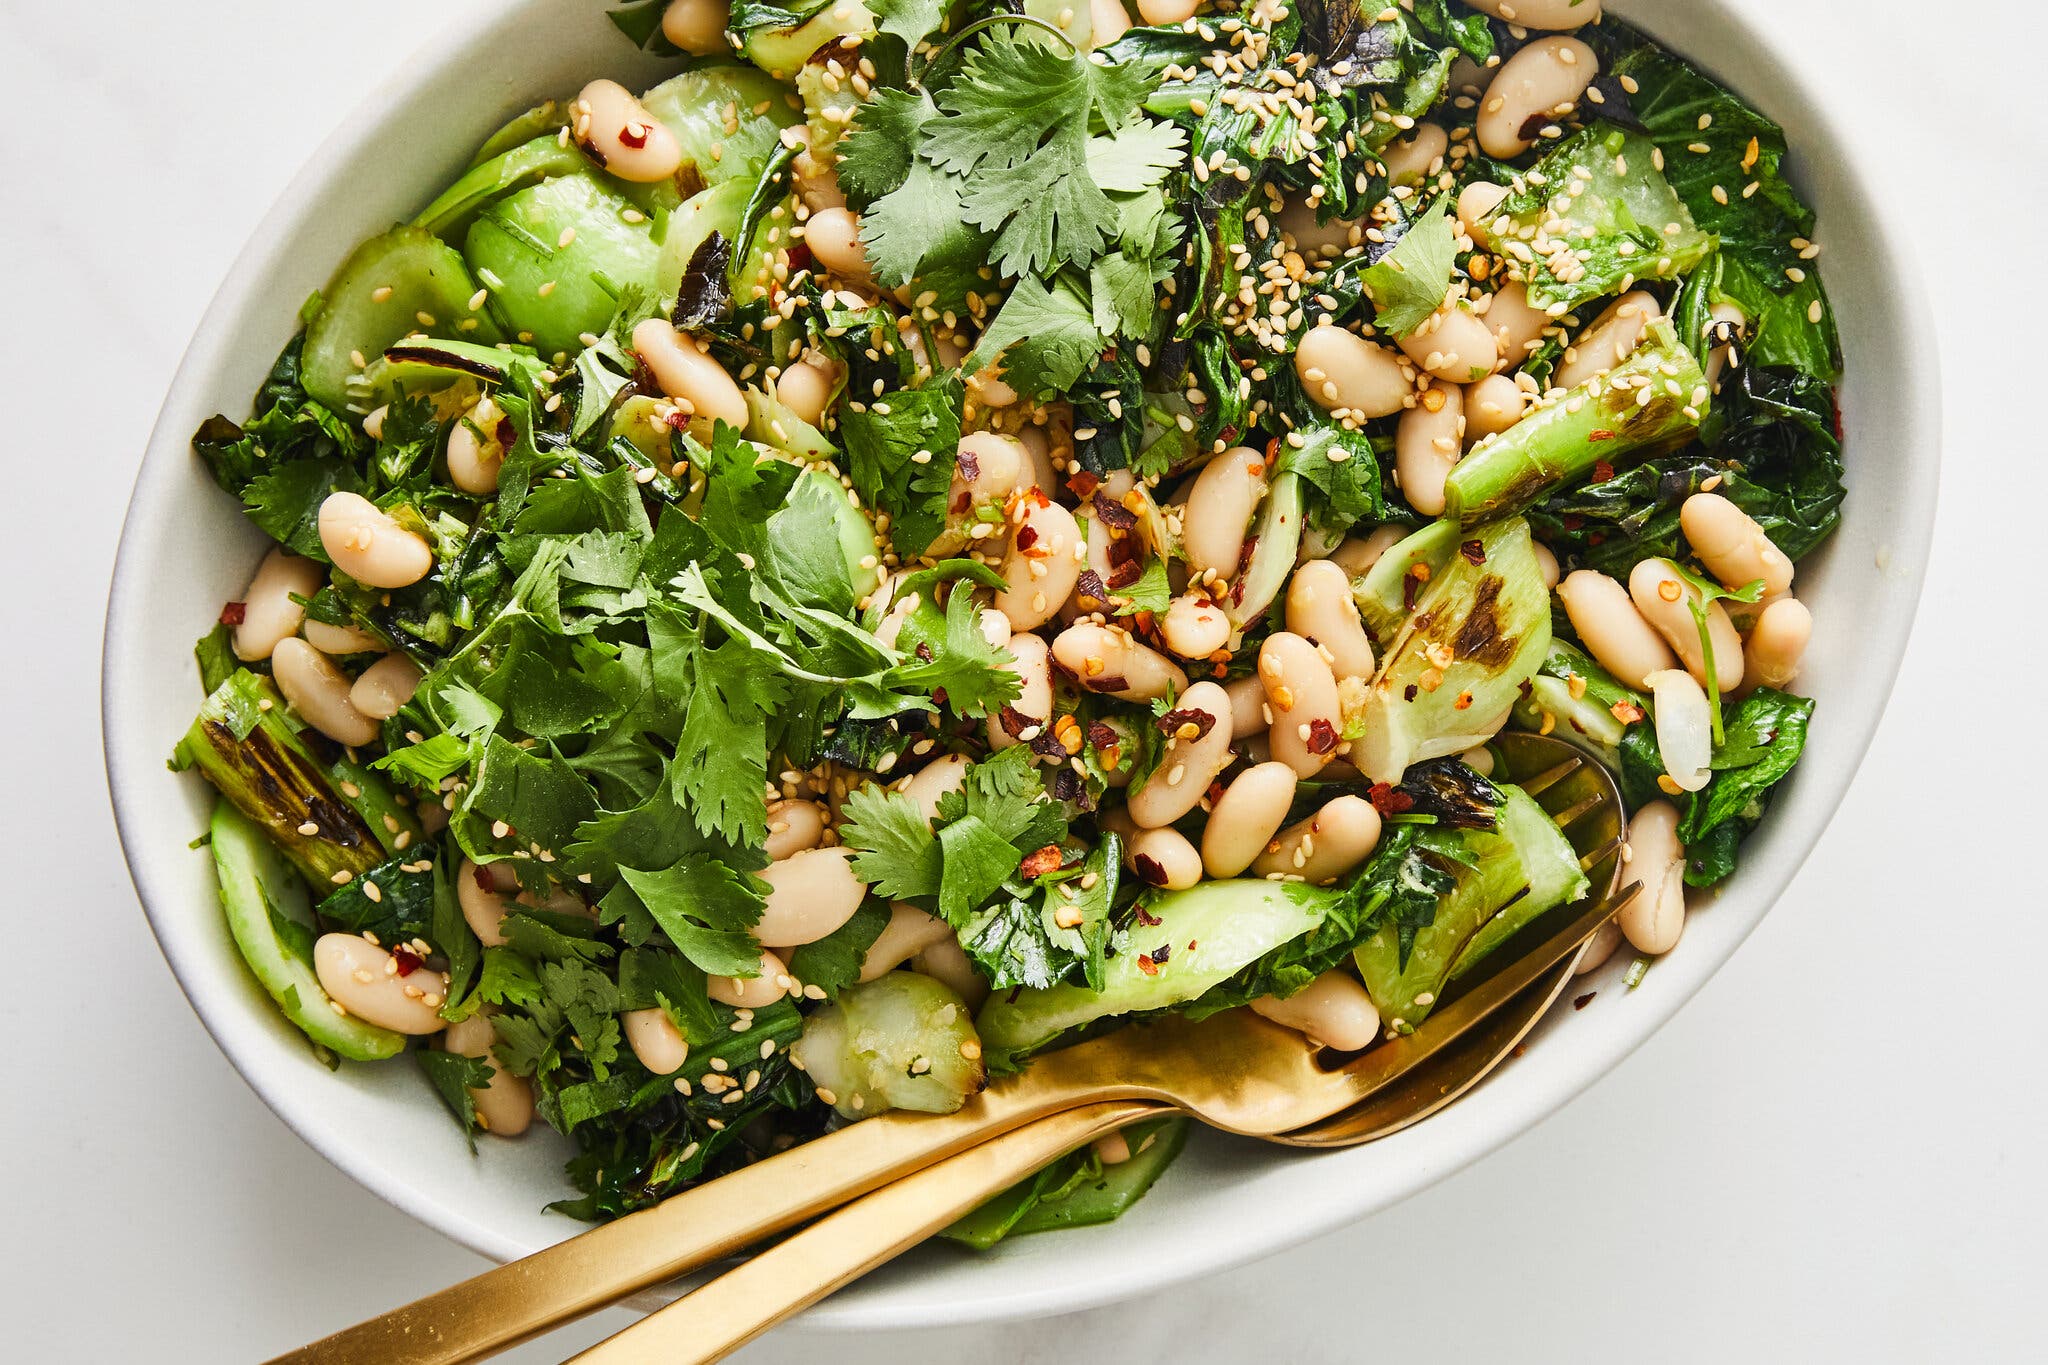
(1408,283)
(834,962)
(286,502)
(721,765)
(895,851)
(910,20)
(883,440)
(705,908)
(1011,96)
(966,667)
(453,1077)
(1045,336)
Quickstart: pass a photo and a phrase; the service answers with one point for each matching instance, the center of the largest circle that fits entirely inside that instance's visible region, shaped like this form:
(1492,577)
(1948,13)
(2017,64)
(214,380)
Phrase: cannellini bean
(1599,948)
(1476,205)
(929,784)
(1685,739)
(688,373)
(1653,921)
(269,615)
(805,388)
(1542,15)
(505,1106)
(834,238)
(373,421)
(319,692)
(1112,661)
(1479,760)
(385,686)
(1320,609)
(1333,1010)
(986,468)
(1718,356)
(1108,22)
(1611,628)
(1325,846)
(1189,763)
(948,962)
(810,894)
(994,626)
(1732,546)
(1030,660)
(1427,441)
(1453,344)
(1357,556)
(1246,817)
(793,826)
(1546,562)
(697,26)
(909,932)
(1164,858)
(751,992)
(618,133)
(815,178)
(368,545)
(1467,77)
(1540,84)
(1219,511)
(1665,599)
(1412,159)
(1302,692)
(1037,443)
(1112,1149)
(1157,12)
(1778,643)
(339,640)
(484,905)
(365,981)
(656,1040)
(1610,339)
(1194,626)
(1516,325)
(476,448)
(1297,223)
(1043,563)
(1342,370)
(1493,405)
(1247,706)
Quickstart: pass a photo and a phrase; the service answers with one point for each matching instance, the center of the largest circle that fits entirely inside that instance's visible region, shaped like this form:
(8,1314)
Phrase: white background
(1835,1153)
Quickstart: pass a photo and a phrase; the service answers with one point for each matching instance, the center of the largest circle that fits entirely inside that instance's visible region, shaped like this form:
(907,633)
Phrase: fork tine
(1564,818)
(1600,854)
(1542,781)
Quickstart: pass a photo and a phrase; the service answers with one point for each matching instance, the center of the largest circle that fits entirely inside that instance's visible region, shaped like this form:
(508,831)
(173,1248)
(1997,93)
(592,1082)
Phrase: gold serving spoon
(1233,1071)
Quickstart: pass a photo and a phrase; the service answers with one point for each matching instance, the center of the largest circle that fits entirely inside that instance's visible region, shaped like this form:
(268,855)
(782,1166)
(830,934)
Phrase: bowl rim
(128,754)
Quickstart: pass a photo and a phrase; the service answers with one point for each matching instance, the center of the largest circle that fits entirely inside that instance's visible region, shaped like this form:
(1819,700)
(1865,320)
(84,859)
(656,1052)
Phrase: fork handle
(730,1311)
(515,1302)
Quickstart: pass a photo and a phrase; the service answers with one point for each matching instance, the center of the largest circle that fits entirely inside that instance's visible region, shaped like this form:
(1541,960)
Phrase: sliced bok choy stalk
(1278,537)
(1574,699)
(902,1041)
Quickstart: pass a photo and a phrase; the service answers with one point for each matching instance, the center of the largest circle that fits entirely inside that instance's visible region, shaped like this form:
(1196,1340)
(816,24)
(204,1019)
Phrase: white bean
(656,1040)
(1685,739)
(1108,22)
(504,1108)
(1611,628)
(995,627)
(319,692)
(810,894)
(1031,660)
(1357,556)
(793,826)
(1333,1010)
(366,981)
(1112,661)
(1533,89)
(834,238)
(1546,562)
(484,905)
(1493,405)
(814,177)
(1427,442)
(1516,325)
(687,373)
(1665,601)
(1302,692)
(909,932)
(373,421)
(1479,760)
(1325,846)
(930,784)
(385,687)
(1246,817)
(368,545)
(1778,643)
(339,640)
(1732,546)
(697,26)
(476,448)
(1247,706)
(1159,12)
(1453,344)
(1164,858)
(1194,627)
(1476,205)
(1608,340)
(948,962)
(986,468)
(1112,1149)
(1342,370)
(751,992)
(1220,507)
(1413,159)
(1599,948)
(1541,15)
(269,614)
(1040,474)
(1718,357)
(1321,609)
(1297,221)
(805,388)
(621,136)
(1653,921)
(1042,565)
(1189,763)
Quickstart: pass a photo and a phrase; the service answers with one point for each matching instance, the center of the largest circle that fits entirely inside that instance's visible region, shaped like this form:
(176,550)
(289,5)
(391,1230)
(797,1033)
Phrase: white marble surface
(1833,1154)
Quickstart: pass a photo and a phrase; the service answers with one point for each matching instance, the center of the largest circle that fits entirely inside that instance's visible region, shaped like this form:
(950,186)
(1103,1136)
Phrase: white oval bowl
(1227,1201)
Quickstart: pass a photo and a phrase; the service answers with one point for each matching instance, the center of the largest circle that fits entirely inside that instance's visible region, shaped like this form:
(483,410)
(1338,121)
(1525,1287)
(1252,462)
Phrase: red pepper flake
(485,882)
(1627,712)
(506,432)
(1125,574)
(1014,723)
(234,613)
(1148,919)
(1162,952)
(1214,791)
(1112,513)
(1408,692)
(1573,521)
(408,961)
(1147,965)
(1584,1000)
(1463,703)
(1041,861)
(1474,552)
(1602,471)
(634,135)
(939,695)
(1149,872)
(1191,944)
(1170,723)
(1083,484)
(969,465)
(1244,557)
(924,652)
(1090,587)
(799,257)
(1600,434)
(1322,736)
(1388,799)
(1027,536)
(1108,682)
(1103,735)
(678,422)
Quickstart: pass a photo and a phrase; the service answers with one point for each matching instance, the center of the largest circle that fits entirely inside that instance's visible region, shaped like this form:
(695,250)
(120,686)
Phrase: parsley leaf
(1408,283)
